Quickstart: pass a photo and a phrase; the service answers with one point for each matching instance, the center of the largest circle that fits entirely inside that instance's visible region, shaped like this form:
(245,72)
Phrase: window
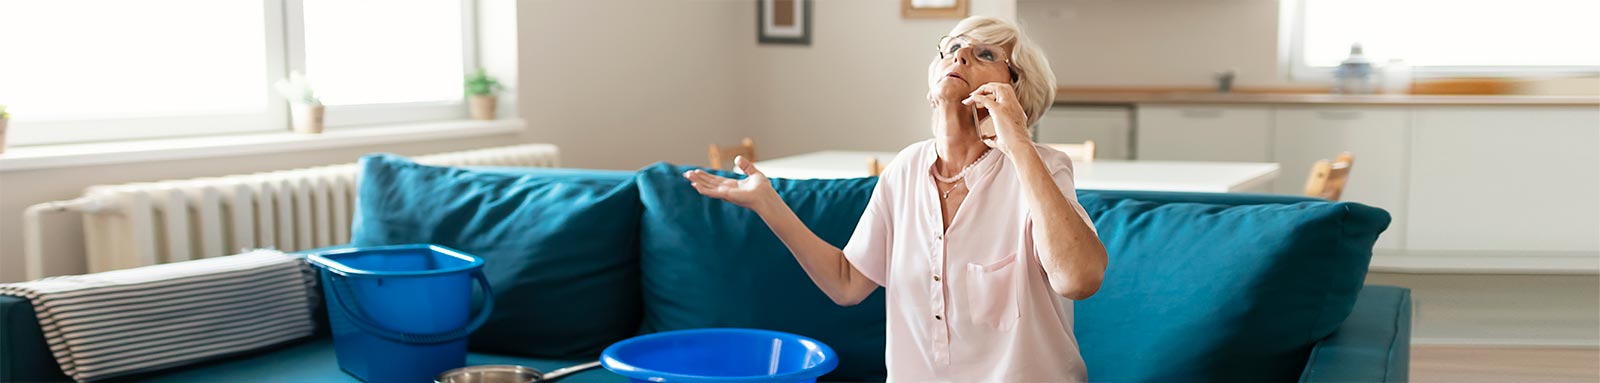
(104,70)
(383,61)
(70,67)
(1444,36)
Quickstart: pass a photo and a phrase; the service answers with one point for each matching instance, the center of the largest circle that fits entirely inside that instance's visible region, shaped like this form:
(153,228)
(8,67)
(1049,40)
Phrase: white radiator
(143,224)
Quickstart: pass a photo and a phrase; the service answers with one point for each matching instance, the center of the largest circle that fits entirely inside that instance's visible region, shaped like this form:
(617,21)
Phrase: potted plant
(305,109)
(481,89)
(3,118)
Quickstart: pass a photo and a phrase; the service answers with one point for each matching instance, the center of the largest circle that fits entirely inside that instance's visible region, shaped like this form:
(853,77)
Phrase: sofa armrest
(1373,345)
(24,355)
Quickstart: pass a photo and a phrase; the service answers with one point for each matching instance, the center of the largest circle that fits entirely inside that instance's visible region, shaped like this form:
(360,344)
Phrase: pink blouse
(971,304)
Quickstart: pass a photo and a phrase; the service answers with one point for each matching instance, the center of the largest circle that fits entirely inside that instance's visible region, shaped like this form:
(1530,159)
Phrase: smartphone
(986,128)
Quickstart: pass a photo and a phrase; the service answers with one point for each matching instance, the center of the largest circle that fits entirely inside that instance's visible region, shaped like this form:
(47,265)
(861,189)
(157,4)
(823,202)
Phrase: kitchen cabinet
(1203,133)
(1108,126)
(1377,137)
(1505,181)
(1471,188)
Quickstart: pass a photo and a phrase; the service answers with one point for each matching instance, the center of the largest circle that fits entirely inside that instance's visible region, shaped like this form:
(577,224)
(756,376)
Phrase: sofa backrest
(1215,286)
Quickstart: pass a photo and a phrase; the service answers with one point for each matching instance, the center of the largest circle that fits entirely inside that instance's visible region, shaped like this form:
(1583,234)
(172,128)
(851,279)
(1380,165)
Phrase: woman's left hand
(1009,118)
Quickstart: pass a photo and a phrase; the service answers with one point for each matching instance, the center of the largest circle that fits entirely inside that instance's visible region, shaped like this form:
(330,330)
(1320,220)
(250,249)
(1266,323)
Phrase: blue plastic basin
(720,355)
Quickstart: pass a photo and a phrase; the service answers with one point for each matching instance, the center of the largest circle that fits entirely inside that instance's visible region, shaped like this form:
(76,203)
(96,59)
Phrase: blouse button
(936,277)
(936,317)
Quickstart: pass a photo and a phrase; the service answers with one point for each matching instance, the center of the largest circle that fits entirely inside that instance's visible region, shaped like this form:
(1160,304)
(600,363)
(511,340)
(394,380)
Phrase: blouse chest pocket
(992,293)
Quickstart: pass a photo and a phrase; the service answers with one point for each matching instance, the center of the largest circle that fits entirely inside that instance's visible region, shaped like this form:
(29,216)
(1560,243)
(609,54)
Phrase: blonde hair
(1035,82)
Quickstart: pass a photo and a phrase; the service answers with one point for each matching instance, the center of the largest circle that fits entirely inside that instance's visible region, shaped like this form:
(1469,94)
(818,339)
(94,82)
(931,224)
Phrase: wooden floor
(1504,364)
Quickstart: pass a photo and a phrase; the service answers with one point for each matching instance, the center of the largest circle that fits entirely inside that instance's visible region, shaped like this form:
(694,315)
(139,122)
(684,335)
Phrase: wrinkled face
(964,64)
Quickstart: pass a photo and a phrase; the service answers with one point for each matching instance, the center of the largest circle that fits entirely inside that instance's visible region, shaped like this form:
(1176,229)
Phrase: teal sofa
(1200,287)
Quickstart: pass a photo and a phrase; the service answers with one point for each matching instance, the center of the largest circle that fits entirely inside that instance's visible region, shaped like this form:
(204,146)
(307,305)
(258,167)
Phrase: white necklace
(959,177)
(946,194)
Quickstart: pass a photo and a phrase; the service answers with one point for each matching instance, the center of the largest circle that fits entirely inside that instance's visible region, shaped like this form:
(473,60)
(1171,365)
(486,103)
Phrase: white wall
(661,80)
(1096,43)
(861,84)
(620,84)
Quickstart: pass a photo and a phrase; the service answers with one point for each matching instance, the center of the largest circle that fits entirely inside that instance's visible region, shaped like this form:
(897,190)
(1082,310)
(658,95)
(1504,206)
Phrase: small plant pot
(3,122)
(307,119)
(481,106)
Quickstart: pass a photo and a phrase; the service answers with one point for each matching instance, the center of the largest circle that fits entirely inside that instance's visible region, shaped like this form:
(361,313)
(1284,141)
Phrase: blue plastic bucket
(720,355)
(400,313)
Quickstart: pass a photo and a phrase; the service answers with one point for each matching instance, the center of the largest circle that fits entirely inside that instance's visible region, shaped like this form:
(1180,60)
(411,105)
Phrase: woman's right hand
(752,192)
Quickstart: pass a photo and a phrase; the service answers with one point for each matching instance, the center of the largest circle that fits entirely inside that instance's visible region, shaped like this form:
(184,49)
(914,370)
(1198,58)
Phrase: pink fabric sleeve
(1061,171)
(868,249)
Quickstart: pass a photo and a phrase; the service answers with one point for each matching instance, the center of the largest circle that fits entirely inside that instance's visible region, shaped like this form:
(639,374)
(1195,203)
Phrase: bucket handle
(360,320)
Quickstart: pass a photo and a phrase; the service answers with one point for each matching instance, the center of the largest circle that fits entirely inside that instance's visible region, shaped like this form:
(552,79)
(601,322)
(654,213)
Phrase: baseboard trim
(1531,343)
(1484,262)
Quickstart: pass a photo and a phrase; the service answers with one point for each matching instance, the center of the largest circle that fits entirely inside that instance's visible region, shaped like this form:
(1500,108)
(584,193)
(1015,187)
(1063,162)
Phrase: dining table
(1098,174)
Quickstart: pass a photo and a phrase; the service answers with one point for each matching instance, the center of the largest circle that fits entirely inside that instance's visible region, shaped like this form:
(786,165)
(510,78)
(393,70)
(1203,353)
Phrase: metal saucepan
(507,373)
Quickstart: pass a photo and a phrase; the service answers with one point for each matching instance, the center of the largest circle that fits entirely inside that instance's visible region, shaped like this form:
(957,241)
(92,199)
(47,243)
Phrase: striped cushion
(124,322)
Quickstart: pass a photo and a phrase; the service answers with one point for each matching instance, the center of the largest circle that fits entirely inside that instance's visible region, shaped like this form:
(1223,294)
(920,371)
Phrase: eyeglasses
(987,53)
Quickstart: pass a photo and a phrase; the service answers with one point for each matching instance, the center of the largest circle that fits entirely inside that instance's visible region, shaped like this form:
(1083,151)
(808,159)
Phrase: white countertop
(1217,177)
(1069,96)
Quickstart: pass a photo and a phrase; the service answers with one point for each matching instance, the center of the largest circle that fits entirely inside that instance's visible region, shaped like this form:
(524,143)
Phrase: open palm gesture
(751,192)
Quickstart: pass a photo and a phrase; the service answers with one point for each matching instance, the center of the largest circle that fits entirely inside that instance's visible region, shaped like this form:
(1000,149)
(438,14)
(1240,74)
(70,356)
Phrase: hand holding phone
(1005,124)
(985,126)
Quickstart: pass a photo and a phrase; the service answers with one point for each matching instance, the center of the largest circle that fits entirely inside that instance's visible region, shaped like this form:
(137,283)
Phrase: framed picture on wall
(933,9)
(783,22)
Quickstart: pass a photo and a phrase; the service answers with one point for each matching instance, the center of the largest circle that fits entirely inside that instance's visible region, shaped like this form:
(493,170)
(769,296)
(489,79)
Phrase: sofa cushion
(1373,345)
(1220,292)
(314,361)
(560,245)
(709,263)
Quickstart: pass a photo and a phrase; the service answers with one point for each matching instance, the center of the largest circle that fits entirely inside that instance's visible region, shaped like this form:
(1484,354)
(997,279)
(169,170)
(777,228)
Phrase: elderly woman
(974,233)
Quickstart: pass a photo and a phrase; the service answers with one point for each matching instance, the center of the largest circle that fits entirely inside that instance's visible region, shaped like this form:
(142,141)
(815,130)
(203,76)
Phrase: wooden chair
(874,167)
(725,154)
(1083,152)
(1328,178)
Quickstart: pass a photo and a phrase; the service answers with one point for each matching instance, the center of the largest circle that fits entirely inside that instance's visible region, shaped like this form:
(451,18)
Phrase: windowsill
(122,152)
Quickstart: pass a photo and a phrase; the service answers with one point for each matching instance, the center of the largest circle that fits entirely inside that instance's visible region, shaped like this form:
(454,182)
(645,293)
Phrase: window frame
(275,116)
(284,44)
(1292,19)
(336,116)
